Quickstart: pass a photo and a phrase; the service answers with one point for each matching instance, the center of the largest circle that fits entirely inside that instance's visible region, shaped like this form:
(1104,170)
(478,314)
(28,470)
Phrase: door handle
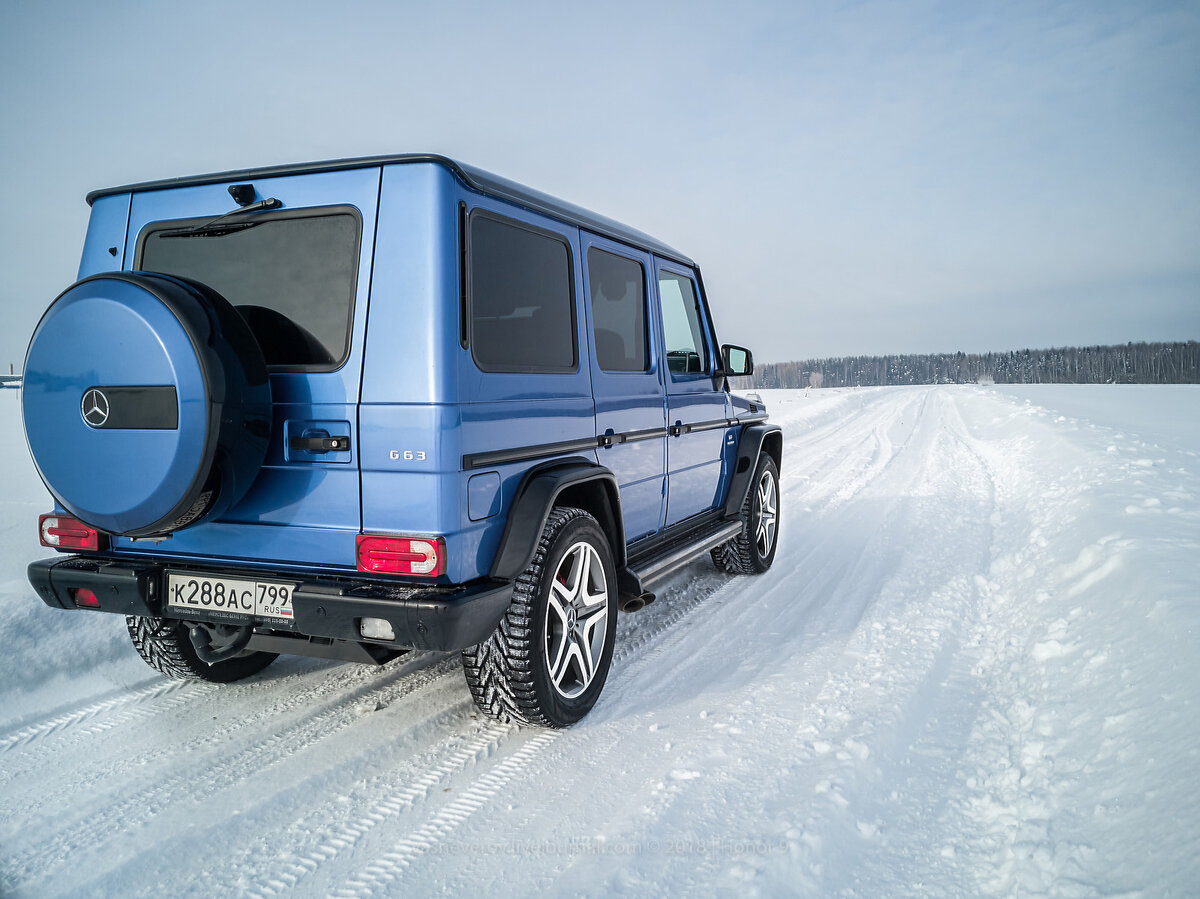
(320,444)
(609,438)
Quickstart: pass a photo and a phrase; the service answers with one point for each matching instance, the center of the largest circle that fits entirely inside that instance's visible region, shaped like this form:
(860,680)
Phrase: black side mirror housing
(737,360)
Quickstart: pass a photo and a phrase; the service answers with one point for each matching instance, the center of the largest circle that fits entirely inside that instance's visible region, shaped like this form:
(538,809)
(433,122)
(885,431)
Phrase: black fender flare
(580,483)
(755,440)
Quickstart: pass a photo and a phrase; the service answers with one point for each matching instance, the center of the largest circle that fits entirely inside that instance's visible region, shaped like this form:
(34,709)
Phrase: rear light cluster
(64,532)
(420,556)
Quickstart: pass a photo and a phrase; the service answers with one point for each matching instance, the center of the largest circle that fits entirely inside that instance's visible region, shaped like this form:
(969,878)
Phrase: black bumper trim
(430,618)
(421,620)
(120,589)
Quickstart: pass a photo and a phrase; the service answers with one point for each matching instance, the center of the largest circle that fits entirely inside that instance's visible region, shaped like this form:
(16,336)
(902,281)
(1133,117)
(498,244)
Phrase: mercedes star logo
(95,408)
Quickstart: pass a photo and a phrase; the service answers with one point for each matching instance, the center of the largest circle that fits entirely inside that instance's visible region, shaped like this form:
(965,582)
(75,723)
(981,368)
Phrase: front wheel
(548,658)
(753,550)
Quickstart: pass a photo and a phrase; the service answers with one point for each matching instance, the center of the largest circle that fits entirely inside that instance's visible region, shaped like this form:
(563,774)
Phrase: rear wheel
(753,550)
(547,660)
(165,646)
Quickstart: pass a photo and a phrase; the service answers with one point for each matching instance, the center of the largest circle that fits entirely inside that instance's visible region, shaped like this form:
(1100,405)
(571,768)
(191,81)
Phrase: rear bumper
(432,618)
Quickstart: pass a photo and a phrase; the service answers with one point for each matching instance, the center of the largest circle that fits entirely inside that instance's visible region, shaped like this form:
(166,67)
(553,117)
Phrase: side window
(522,304)
(617,287)
(682,332)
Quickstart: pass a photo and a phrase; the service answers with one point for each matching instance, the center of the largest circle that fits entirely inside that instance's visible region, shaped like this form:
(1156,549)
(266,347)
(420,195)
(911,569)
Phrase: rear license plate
(261,599)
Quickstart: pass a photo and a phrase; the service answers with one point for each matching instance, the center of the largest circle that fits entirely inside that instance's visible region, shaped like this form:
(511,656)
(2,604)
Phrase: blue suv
(352,408)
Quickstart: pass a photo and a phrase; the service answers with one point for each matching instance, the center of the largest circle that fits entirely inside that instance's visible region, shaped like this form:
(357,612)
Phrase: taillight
(64,532)
(421,556)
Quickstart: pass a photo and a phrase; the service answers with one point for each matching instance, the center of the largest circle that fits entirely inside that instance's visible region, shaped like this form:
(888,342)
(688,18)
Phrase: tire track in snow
(135,811)
(386,869)
(132,811)
(328,684)
(835,468)
(833,673)
(27,733)
(142,703)
(409,797)
(833,606)
(827,583)
(437,766)
(382,872)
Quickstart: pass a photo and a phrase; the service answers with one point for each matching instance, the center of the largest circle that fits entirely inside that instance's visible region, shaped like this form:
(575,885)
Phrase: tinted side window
(617,287)
(682,332)
(291,277)
(522,305)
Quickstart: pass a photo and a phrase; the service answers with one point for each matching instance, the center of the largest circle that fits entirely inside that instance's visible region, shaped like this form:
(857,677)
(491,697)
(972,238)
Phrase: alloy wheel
(764,525)
(576,620)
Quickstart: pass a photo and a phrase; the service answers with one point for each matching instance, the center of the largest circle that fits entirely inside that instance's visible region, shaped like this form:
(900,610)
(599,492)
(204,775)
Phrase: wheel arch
(570,482)
(772,445)
(755,440)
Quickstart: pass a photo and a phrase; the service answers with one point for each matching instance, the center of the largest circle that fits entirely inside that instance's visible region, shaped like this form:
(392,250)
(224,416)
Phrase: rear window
(291,276)
(522,304)
(618,296)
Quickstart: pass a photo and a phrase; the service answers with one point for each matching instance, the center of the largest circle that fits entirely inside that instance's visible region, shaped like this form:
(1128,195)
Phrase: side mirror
(738,361)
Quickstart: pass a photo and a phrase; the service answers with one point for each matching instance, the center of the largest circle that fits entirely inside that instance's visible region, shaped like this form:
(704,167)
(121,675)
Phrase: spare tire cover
(146,403)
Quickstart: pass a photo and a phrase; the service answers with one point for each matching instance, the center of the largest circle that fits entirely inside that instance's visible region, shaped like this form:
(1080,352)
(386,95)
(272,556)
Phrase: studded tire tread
(499,671)
(736,556)
(739,555)
(164,645)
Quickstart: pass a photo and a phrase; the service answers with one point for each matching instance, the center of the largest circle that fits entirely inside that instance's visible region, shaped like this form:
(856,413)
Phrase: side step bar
(665,560)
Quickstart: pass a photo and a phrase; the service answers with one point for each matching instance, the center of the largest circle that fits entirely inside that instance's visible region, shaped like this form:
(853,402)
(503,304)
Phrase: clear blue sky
(852,177)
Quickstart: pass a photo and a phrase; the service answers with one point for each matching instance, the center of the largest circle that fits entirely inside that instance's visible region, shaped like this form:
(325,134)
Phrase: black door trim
(540,450)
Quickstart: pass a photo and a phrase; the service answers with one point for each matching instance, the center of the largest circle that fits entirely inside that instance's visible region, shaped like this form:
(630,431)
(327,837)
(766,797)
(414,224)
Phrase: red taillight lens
(421,556)
(64,532)
(85,598)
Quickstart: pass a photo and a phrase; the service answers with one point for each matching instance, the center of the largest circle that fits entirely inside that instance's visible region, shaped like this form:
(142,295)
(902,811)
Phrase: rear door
(301,278)
(627,381)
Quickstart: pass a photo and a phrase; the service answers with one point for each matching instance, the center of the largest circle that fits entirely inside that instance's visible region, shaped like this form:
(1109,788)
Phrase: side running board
(645,569)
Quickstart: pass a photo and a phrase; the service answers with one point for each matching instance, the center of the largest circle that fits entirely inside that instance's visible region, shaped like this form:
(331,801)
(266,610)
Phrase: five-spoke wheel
(764,521)
(548,658)
(577,624)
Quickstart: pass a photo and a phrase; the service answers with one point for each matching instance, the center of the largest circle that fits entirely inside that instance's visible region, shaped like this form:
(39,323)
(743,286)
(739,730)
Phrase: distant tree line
(1132,363)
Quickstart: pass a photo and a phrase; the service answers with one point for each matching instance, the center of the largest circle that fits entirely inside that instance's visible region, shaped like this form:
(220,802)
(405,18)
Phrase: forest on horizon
(1130,363)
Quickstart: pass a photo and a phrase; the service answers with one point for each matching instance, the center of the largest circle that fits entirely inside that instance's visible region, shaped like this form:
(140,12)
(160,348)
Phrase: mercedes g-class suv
(352,408)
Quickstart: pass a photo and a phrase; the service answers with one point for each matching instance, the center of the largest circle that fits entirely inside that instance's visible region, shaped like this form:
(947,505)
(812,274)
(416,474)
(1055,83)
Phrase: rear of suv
(353,408)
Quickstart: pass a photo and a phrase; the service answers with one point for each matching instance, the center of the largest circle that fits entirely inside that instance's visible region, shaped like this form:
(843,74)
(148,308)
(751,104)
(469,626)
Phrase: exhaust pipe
(630,603)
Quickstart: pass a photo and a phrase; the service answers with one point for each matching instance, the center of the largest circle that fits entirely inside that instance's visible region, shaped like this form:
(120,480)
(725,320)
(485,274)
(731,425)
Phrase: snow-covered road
(974,669)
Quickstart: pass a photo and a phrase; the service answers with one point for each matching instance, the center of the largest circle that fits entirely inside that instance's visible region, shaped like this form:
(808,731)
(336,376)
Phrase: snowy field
(973,670)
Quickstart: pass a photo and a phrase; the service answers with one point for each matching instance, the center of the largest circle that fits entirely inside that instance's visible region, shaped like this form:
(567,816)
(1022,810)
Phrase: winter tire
(548,658)
(165,646)
(753,550)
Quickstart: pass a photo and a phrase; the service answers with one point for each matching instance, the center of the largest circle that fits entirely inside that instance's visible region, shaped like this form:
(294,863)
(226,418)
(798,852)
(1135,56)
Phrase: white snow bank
(1166,415)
